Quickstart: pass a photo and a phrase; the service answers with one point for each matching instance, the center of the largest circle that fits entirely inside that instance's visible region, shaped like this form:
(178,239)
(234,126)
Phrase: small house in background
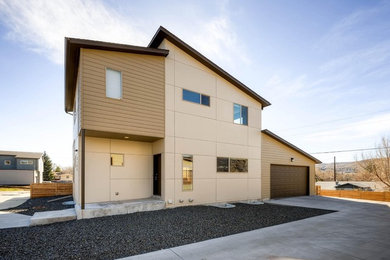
(352,186)
(63,177)
(20,168)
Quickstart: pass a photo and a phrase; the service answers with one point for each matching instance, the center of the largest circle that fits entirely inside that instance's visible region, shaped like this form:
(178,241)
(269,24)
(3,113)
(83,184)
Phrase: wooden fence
(39,190)
(355,194)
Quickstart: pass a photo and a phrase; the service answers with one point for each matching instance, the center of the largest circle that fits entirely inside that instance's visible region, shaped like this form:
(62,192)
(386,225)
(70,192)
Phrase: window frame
(200,97)
(192,173)
(121,82)
(228,164)
(22,162)
(123,161)
(247,165)
(241,117)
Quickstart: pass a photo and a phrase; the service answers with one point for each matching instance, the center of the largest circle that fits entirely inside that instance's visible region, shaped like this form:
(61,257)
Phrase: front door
(157,174)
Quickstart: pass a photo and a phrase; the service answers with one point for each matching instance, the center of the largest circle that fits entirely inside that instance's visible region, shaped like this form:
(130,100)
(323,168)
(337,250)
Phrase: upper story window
(240,114)
(7,162)
(26,162)
(113,83)
(196,97)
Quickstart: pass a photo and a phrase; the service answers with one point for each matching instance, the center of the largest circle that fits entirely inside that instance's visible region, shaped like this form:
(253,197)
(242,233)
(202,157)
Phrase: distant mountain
(341,167)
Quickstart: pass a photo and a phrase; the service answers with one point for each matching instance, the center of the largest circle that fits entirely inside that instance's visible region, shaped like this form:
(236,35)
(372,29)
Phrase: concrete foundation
(49,217)
(95,210)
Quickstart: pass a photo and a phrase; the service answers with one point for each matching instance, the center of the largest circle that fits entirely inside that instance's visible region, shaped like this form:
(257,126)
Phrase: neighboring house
(351,186)
(20,168)
(364,185)
(63,176)
(165,121)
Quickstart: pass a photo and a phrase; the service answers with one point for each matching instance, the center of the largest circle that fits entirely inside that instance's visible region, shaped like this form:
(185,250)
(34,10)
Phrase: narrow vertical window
(187,172)
(113,84)
(240,114)
(222,164)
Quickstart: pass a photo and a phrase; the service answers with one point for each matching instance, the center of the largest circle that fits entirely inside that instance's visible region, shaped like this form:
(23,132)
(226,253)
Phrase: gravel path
(131,234)
(40,204)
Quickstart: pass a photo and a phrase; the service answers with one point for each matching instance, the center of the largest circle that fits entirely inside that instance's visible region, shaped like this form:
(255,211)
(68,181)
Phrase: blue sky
(324,65)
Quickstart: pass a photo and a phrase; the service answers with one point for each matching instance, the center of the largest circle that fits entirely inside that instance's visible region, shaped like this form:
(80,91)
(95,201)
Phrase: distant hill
(341,167)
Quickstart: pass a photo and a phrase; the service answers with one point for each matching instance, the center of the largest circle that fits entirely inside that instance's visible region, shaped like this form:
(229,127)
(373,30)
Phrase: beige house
(165,122)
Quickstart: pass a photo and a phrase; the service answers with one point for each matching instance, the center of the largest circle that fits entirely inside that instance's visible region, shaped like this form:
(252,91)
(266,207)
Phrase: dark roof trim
(72,54)
(163,33)
(278,138)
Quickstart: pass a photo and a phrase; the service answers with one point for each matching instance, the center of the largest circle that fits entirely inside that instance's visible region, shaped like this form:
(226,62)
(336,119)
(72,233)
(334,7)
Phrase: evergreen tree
(58,169)
(47,168)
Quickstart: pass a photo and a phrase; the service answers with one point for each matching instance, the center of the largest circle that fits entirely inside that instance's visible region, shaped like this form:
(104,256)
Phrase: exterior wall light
(292,159)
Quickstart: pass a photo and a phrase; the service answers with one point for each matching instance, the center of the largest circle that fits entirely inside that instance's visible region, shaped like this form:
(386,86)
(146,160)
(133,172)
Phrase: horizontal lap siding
(274,152)
(141,109)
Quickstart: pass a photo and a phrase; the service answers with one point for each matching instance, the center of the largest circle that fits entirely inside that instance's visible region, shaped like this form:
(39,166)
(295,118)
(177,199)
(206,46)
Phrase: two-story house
(20,168)
(164,121)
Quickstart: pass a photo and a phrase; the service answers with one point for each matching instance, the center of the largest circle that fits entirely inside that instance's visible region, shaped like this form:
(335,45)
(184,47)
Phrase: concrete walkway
(11,199)
(359,230)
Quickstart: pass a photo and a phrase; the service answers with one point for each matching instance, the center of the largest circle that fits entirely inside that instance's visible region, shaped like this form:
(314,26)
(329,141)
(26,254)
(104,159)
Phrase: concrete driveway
(11,199)
(359,230)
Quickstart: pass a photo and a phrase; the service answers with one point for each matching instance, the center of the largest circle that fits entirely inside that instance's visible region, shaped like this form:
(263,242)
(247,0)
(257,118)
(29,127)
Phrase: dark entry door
(289,181)
(157,174)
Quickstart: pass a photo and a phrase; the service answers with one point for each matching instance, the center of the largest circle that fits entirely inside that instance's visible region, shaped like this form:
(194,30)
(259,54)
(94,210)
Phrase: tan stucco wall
(103,181)
(274,152)
(207,132)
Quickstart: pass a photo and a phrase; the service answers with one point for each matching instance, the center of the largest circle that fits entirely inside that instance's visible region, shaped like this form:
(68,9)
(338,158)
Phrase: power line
(353,150)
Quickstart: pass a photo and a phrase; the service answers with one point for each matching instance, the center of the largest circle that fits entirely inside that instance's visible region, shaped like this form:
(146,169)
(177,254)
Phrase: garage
(286,170)
(289,181)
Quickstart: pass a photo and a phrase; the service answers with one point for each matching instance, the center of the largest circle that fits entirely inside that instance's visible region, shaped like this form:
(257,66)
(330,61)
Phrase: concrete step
(95,210)
(48,217)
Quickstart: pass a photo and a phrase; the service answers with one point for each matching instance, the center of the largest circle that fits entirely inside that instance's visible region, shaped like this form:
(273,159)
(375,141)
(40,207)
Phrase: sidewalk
(359,230)
(11,199)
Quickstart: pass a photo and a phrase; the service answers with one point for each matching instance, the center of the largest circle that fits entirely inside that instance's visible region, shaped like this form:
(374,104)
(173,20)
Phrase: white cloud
(42,25)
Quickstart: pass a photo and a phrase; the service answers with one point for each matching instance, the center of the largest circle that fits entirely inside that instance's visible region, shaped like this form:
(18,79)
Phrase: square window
(222,164)
(240,114)
(113,84)
(238,165)
(117,159)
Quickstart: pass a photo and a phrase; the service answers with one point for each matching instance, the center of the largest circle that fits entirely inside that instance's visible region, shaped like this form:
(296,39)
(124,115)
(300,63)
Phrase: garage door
(288,181)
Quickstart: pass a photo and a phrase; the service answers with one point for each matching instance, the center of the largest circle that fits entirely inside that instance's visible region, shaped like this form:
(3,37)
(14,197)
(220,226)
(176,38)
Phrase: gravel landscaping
(40,204)
(125,235)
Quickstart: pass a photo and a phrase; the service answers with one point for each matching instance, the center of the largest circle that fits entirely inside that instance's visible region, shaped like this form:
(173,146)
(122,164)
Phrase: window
(222,164)
(187,172)
(113,84)
(26,162)
(240,114)
(117,159)
(196,97)
(7,162)
(238,165)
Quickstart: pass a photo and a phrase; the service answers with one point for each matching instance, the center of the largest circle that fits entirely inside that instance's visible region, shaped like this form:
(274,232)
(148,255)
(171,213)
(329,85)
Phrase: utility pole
(334,169)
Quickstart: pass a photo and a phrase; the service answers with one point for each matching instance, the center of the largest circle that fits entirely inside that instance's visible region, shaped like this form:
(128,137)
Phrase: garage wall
(274,152)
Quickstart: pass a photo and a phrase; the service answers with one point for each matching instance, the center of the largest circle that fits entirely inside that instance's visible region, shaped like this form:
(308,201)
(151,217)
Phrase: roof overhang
(163,33)
(281,140)
(72,55)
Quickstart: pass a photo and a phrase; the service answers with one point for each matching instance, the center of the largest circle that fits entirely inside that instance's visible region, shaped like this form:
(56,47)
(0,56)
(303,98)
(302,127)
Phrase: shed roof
(281,140)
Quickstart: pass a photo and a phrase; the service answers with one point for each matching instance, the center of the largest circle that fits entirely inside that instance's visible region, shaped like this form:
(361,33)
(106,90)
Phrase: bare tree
(377,164)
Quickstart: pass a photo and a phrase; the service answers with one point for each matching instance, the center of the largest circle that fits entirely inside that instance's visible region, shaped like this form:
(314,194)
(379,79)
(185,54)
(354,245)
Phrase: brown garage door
(288,181)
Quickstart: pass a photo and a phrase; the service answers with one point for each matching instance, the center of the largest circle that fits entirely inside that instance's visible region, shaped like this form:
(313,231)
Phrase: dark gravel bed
(40,204)
(131,234)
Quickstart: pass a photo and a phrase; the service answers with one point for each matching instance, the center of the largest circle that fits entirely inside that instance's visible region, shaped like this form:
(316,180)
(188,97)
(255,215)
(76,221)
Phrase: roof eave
(281,140)
(163,33)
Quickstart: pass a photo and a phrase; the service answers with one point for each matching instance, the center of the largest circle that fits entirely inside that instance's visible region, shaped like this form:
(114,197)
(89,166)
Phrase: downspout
(82,168)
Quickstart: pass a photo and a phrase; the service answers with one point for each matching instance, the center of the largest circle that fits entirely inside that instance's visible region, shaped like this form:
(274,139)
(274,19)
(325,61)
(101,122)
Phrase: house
(164,121)
(63,177)
(20,168)
(352,186)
